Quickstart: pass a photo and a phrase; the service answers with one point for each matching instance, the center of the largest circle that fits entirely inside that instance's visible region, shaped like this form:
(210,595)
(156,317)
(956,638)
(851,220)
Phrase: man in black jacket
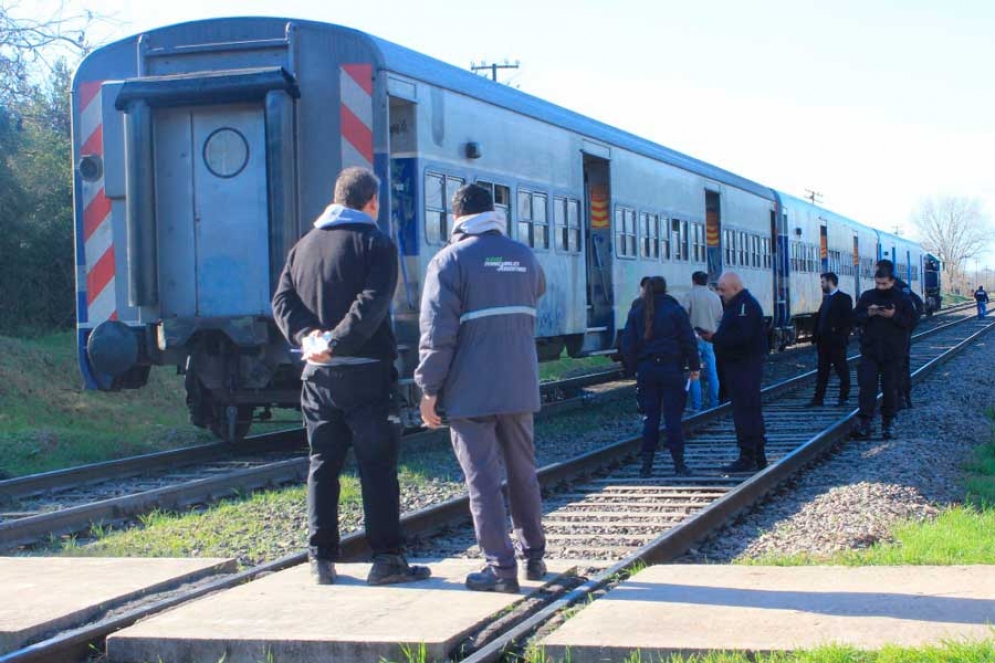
(333,299)
(741,346)
(904,380)
(885,316)
(832,334)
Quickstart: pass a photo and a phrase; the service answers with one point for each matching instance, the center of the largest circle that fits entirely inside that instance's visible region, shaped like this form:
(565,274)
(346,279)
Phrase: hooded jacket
(671,341)
(340,277)
(477,350)
(884,338)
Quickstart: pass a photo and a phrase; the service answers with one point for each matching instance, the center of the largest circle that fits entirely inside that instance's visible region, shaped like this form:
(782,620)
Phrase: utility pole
(898,230)
(814,196)
(474,67)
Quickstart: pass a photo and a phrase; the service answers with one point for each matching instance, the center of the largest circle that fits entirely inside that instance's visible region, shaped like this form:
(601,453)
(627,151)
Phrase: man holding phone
(885,315)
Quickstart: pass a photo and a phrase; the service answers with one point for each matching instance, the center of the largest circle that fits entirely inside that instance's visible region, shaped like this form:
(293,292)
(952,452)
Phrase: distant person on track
(741,347)
(333,299)
(704,309)
(479,367)
(981,298)
(884,315)
(904,381)
(658,344)
(832,335)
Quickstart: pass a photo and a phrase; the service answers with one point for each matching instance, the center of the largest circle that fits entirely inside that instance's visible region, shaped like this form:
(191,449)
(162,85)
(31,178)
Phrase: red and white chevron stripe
(98,238)
(356,113)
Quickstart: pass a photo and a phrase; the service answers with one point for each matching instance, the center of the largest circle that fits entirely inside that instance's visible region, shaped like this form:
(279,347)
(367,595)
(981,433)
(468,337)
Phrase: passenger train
(204,150)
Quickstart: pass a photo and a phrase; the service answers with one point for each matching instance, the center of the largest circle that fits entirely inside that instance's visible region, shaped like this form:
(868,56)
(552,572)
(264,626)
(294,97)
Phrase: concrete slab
(43,594)
(287,618)
(698,608)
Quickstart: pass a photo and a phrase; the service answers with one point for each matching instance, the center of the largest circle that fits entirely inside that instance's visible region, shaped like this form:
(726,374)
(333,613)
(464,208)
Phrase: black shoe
(908,401)
(886,430)
(761,460)
(535,569)
(862,431)
(487,580)
(646,471)
(742,465)
(323,571)
(815,402)
(682,470)
(392,569)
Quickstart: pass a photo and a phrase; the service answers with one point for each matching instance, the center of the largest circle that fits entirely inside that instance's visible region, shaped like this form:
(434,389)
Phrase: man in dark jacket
(478,365)
(334,300)
(832,334)
(904,380)
(741,346)
(885,316)
(981,298)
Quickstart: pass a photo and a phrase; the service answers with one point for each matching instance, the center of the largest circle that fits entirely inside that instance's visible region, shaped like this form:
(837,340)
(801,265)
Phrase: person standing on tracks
(741,345)
(832,335)
(658,343)
(885,316)
(904,380)
(333,299)
(478,367)
(981,298)
(704,309)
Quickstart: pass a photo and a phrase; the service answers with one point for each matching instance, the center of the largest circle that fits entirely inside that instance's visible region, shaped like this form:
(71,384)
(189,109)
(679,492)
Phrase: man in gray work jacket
(479,368)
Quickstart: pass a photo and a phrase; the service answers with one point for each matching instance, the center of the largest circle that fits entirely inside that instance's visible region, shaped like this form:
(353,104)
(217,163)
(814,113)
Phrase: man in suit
(832,334)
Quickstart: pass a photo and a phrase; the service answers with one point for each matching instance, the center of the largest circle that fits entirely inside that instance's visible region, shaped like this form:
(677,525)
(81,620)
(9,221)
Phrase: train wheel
(231,423)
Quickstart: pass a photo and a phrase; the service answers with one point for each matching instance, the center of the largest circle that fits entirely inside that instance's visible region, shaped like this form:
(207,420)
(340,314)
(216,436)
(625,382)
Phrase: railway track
(38,507)
(598,497)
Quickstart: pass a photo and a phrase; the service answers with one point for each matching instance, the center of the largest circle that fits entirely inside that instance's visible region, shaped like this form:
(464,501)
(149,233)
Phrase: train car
(204,150)
(819,241)
(908,257)
(932,280)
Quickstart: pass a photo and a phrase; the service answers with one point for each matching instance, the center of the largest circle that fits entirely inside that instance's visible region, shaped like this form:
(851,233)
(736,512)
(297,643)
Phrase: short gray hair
(355,187)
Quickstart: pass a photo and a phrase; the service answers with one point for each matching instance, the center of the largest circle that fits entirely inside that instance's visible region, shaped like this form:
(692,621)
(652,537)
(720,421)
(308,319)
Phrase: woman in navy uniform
(657,344)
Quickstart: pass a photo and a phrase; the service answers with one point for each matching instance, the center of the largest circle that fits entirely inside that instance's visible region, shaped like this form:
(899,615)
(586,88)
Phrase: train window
(664,240)
(743,249)
(435,208)
(540,221)
(767,255)
(625,232)
(755,252)
(729,241)
(573,226)
(502,200)
(685,241)
(649,231)
(698,241)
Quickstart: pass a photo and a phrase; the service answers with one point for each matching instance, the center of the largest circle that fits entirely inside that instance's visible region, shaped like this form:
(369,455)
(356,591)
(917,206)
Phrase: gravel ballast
(856,497)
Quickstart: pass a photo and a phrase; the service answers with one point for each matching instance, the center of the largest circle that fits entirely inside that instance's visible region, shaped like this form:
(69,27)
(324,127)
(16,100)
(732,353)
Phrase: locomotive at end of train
(204,151)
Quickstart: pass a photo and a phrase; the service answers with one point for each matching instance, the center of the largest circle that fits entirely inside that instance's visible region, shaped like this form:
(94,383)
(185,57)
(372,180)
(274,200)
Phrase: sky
(875,104)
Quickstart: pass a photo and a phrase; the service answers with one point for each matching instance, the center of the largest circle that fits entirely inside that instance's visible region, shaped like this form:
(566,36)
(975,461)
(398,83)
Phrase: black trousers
(905,374)
(874,373)
(832,355)
(743,379)
(661,392)
(343,407)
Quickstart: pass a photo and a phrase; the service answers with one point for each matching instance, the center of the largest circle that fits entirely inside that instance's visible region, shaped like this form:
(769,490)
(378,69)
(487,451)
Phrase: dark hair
(884,263)
(699,278)
(355,187)
(831,277)
(884,273)
(472,199)
(643,281)
(655,285)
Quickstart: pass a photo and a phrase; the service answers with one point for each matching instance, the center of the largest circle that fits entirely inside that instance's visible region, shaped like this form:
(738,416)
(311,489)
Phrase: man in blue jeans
(704,308)
(981,297)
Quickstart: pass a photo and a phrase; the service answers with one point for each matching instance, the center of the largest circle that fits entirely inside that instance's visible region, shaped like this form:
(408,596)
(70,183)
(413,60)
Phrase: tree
(955,229)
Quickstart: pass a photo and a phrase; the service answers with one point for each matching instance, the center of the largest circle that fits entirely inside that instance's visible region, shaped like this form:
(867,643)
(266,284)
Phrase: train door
(600,293)
(713,234)
(824,247)
(211,210)
(856,266)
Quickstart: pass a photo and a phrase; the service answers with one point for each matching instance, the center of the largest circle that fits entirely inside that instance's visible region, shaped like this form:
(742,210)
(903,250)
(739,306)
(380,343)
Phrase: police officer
(741,347)
(478,365)
(658,343)
(333,299)
(832,334)
(884,315)
(904,380)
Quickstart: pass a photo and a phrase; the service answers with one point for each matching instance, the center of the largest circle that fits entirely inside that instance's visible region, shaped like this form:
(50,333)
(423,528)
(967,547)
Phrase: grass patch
(567,367)
(48,421)
(950,652)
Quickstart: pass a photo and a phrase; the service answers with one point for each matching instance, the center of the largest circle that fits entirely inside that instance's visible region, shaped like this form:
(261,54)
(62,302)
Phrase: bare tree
(955,229)
(30,46)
